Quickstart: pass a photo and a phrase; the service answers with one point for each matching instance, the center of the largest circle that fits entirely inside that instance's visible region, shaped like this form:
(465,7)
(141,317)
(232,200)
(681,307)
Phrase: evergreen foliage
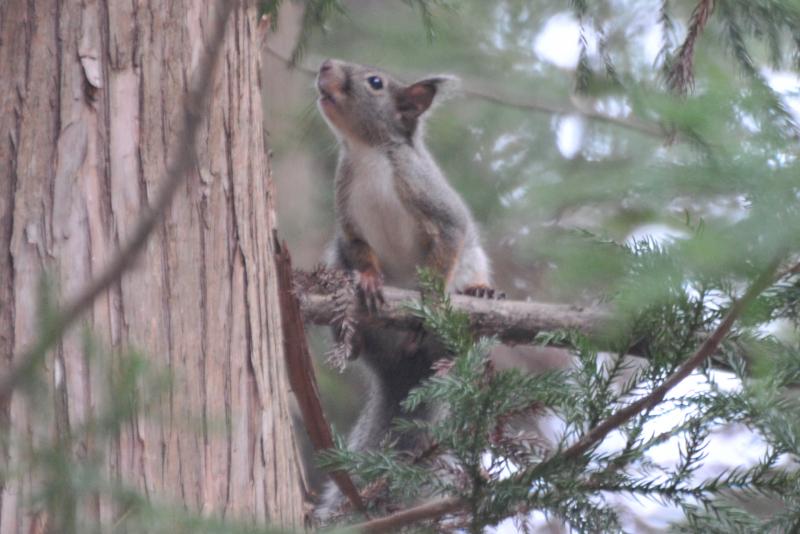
(485,450)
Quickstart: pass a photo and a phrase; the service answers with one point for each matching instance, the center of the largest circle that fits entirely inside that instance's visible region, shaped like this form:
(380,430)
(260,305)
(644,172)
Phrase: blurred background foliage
(573,135)
(571,138)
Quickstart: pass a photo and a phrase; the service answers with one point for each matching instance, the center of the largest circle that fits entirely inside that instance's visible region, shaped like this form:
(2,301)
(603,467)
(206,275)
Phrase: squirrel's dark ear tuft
(417,98)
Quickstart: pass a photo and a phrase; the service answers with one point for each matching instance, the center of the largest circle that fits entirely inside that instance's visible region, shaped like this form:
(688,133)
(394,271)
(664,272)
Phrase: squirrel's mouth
(325,95)
(327,89)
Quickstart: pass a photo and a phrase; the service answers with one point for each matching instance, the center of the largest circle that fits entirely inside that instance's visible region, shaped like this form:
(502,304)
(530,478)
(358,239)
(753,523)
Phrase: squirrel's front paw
(482,291)
(370,285)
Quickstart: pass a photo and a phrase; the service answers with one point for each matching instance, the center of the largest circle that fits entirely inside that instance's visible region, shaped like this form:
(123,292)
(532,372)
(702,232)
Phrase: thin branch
(650,129)
(302,379)
(431,510)
(513,322)
(789,271)
(527,104)
(706,349)
(195,105)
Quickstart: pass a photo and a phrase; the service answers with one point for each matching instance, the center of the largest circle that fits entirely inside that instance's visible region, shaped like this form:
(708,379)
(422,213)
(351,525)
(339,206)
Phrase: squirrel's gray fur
(395,212)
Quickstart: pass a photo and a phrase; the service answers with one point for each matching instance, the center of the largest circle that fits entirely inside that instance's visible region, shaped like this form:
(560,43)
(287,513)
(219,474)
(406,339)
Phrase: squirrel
(395,212)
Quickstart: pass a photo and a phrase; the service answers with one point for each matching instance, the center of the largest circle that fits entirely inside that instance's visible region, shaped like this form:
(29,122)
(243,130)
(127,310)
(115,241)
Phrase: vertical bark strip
(302,379)
(89,107)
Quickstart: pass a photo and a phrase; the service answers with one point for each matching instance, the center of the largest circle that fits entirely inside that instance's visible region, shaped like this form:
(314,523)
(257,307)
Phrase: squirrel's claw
(370,285)
(482,291)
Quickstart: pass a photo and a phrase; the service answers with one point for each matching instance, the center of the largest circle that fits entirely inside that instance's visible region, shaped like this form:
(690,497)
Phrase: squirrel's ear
(414,100)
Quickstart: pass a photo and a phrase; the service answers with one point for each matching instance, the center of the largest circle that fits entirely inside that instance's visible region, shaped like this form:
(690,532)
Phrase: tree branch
(680,77)
(706,349)
(651,129)
(392,522)
(513,322)
(195,104)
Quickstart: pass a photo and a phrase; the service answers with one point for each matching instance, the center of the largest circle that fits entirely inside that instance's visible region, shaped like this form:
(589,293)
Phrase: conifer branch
(680,77)
(435,509)
(423,512)
(706,349)
(512,322)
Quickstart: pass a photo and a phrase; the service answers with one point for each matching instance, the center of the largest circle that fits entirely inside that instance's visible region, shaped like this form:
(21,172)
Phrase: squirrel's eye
(375,82)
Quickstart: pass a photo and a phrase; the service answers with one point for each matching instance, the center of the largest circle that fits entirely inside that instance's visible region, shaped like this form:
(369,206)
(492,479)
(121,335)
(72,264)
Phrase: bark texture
(90,96)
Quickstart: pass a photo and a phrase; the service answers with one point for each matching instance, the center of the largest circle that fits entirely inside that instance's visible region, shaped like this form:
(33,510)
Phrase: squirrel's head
(365,104)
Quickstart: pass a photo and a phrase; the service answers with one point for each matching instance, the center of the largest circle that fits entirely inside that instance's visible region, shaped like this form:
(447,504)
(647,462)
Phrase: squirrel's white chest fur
(381,218)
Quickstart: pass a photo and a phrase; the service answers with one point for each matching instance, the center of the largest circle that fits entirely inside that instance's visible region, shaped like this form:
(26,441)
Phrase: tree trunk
(90,102)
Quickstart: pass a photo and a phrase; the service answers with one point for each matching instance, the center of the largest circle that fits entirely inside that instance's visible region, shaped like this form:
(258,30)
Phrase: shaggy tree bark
(90,102)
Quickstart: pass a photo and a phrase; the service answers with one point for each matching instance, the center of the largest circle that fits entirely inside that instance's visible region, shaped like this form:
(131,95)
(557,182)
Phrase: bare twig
(183,162)
(431,510)
(650,129)
(302,379)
